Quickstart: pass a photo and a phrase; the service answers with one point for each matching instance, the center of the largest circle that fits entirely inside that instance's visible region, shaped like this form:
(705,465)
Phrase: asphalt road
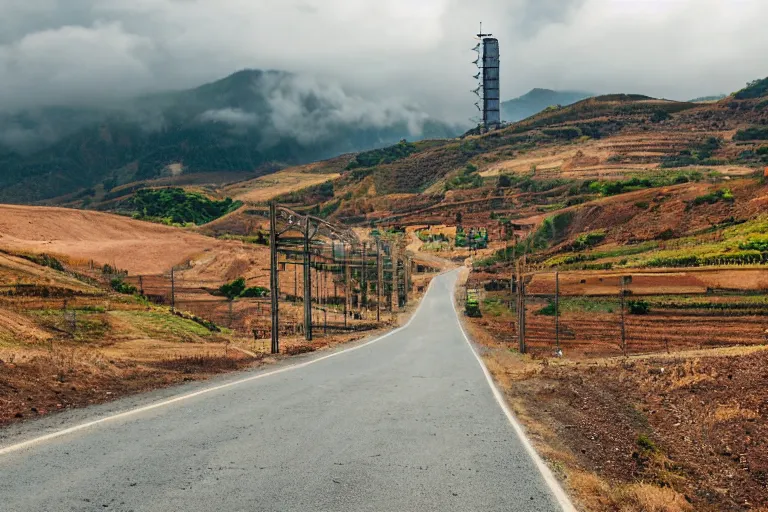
(407,423)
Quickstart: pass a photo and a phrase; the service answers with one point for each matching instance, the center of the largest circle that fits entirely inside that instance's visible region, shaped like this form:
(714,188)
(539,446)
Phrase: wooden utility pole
(407,277)
(395,297)
(379,280)
(346,284)
(623,280)
(173,289)
(273,282)
(364,279)
(307,285)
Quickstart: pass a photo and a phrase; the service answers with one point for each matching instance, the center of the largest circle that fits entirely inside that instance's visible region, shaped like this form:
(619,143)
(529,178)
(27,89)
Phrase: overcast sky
(57,51)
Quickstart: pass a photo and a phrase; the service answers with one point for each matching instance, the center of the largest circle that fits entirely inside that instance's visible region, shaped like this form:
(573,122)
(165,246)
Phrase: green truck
(472,304)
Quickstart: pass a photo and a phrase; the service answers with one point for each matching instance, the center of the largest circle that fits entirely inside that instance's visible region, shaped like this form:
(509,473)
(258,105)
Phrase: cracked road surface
(408,423)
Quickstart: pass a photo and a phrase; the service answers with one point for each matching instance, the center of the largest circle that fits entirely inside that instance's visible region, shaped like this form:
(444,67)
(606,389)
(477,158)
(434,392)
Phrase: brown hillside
(136,246)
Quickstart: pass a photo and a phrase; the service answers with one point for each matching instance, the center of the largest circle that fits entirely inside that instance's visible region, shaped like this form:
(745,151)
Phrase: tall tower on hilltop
(488,75)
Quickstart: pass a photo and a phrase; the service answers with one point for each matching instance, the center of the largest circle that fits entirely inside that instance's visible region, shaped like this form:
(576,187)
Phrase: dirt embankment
(664,432)
(139,247)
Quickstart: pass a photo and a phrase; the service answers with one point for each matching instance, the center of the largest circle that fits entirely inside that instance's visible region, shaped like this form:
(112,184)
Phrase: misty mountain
(252,121)
(537,100)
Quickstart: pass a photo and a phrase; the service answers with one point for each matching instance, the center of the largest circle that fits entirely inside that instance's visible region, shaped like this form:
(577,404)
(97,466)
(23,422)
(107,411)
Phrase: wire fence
(251,316)
(623,314)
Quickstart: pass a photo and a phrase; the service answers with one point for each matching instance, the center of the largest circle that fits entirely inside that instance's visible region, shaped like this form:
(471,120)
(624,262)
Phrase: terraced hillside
(67,341)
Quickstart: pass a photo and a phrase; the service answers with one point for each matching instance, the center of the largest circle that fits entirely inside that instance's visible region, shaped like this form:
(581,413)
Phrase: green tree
(234,289)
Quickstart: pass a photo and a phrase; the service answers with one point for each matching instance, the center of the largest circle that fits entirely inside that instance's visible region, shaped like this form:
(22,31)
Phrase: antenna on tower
(480,34)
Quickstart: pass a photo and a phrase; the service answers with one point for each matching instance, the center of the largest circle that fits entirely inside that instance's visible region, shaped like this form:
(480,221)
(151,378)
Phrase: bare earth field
(266,187)
(136,246)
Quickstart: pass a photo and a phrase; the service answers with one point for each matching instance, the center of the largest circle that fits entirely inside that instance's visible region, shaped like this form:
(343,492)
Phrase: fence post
(406,277)
(273,282)
(307,285)
(395,296)
(521,310)
(623,280)
(557,311)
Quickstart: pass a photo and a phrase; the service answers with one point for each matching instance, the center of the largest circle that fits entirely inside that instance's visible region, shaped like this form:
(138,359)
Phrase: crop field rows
(590,326)
(600,335)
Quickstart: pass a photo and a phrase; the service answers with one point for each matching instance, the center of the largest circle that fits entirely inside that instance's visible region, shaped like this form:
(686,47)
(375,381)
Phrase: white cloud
(233,116)
(417,50)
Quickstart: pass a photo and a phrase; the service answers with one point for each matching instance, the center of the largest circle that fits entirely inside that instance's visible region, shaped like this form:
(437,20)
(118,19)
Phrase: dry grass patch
(735,411)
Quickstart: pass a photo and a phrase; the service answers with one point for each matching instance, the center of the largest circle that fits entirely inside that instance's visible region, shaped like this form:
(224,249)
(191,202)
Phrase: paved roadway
(407,423)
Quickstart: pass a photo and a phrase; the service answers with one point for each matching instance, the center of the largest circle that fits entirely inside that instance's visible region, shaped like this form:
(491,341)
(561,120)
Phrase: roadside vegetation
(382,156)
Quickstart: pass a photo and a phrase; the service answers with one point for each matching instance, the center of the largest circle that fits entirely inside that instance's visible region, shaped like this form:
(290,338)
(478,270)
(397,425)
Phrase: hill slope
(567,158)
(136,246)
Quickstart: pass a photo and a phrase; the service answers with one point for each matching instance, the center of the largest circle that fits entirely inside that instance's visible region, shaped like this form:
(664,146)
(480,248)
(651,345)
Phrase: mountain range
(250,122)
(537,100)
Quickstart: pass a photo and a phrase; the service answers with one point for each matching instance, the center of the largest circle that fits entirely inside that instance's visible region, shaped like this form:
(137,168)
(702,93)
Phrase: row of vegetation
(754,89)
(697,154)
(177,206)
(238,289)
(45,260)
(634,307)
(467,178)
(382,156)
(723,194)
(753,133)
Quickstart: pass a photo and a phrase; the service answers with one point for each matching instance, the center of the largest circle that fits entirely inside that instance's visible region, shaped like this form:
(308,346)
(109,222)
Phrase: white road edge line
(82,426)
(557,490)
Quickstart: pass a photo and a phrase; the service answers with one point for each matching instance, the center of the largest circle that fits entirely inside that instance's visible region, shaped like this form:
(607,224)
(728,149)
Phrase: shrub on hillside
(44,260)
(548,310)
(638,307)
(382,156)
(177,206)
(714,197)
(754,133)
(587,240)
(467,178)
(238,289)
(234,289)
(121,286)
(754,89)
(255,292)
(553,228)
(755,244)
